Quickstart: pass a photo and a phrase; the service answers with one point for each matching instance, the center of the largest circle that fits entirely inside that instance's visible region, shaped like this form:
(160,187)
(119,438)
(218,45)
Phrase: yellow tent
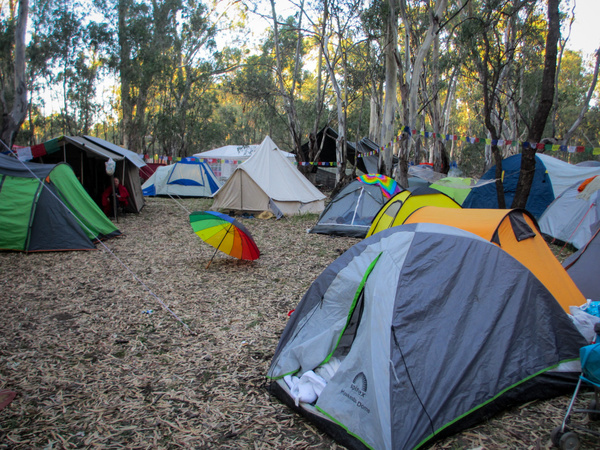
(516,232)
(401,205)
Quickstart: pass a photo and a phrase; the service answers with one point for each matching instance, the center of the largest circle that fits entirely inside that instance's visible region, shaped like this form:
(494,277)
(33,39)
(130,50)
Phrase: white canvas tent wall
(268,181)
(188,178)
(224,160)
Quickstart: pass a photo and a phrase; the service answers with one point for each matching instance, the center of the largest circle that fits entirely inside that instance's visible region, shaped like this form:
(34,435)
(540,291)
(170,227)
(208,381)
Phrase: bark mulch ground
(139,345)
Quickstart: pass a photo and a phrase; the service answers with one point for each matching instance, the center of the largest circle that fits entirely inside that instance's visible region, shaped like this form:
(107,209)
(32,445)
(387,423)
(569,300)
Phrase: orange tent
(516,232)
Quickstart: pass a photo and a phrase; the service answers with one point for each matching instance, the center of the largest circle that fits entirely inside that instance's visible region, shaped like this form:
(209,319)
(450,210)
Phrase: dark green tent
(44,207)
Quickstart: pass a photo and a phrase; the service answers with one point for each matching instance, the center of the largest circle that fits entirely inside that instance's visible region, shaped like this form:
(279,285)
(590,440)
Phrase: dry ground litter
(97,361)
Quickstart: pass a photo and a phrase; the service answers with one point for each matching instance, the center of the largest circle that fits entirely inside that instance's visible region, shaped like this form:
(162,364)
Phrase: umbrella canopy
(225,234)
(389,187)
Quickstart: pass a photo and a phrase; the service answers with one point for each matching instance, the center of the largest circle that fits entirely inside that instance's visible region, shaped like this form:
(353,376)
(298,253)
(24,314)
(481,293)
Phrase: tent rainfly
(401,205)
(352,210)
(224,160)
(43,207)
(455,187)
(268,181)
(410,336)
(551,178)
(582,266)
(571,216)
(516,232)
(87,156)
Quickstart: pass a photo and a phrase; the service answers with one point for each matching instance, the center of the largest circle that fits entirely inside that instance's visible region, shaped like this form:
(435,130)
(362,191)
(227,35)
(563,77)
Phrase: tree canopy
(465,82)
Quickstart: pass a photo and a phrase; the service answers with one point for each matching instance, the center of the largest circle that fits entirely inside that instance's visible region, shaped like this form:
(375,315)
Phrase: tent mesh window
(349,334)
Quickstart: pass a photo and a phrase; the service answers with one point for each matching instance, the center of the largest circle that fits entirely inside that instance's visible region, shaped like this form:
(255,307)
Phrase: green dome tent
(43,207)
(455,187)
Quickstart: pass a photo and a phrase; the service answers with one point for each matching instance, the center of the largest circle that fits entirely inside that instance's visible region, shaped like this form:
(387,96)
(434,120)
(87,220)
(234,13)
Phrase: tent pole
(123,181)
(114,195)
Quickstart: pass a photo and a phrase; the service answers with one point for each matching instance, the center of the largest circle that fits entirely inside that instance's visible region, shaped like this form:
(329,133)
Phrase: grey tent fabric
(571,216)
(582,266)
(351,211)
(442,341)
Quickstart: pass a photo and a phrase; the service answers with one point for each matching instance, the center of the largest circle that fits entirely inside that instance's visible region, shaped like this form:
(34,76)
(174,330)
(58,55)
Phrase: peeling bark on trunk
(390,106)
(11,122)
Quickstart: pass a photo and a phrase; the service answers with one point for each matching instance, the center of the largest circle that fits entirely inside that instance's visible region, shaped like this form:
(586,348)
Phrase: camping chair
(562,436)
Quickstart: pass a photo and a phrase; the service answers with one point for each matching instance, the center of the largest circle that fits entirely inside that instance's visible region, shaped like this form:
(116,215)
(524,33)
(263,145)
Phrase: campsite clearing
(95,360)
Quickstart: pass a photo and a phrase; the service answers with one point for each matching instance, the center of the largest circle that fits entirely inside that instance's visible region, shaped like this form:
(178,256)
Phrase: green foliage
(187,94)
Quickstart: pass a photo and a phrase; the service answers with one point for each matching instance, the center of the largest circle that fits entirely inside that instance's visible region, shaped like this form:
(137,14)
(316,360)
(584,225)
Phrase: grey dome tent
(412,335)
(582,266)
(571,216)
(352,210)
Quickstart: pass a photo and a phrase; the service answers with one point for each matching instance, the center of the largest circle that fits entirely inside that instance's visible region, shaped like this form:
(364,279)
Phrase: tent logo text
(359,385)
(358,389)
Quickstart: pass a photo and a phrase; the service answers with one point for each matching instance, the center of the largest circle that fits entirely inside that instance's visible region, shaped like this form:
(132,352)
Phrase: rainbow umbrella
(224,233)
(389,187)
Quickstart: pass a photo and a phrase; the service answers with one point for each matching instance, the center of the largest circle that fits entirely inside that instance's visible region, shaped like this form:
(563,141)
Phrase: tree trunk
(341,139)
(414,81)
(389,110)
(125,72)
(11,122)
(288,97)
(544,107)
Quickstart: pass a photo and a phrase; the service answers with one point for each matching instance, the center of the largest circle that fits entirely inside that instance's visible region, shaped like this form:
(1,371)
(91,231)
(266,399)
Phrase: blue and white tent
(187,178)
(551,178)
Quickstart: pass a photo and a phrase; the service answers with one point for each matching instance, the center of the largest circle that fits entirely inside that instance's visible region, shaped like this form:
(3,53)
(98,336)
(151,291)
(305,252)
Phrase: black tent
(327,137)
(87,156)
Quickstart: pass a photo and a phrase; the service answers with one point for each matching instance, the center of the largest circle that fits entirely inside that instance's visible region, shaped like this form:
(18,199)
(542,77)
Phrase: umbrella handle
(217,248)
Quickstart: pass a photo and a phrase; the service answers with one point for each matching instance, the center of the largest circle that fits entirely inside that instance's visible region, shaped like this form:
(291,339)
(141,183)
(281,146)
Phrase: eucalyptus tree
(163,55)
(13,89)
(64,63)
(493,34)
(392,64)
(405,32)
(341,32)
(421,24)
(584,102)
(373,21)
(544,107)
(287,88)
(269,85)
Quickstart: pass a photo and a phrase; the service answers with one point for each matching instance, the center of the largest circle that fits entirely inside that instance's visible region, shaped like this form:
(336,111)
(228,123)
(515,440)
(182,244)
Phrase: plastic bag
(110,166)
(584,322)
(591,307)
